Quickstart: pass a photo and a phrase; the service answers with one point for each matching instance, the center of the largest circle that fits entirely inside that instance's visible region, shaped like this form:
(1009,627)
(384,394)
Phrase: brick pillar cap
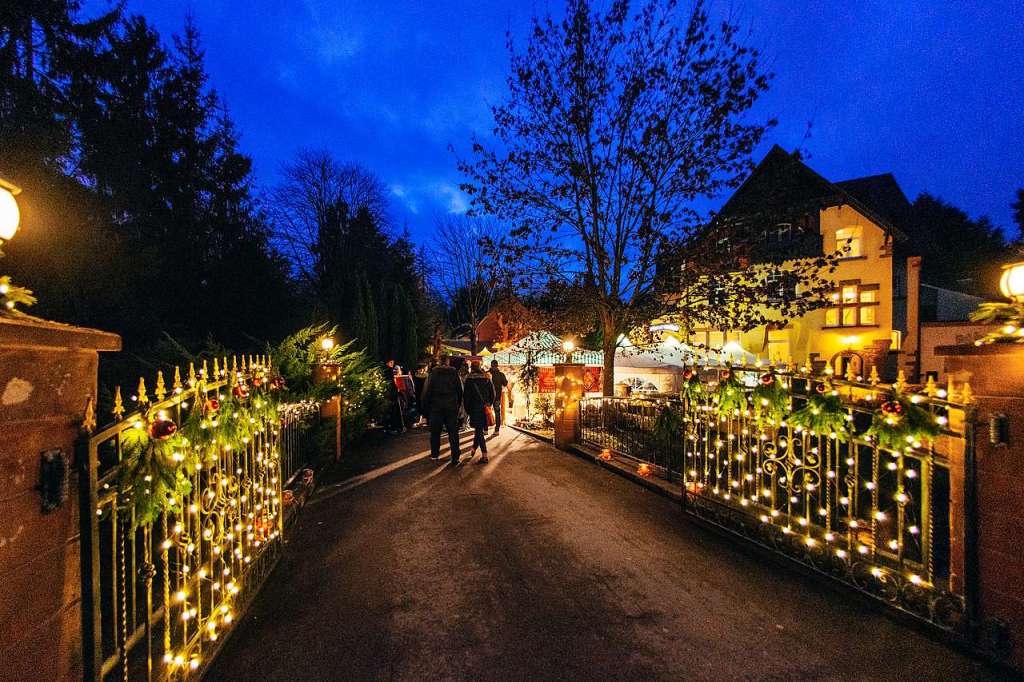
(34,332)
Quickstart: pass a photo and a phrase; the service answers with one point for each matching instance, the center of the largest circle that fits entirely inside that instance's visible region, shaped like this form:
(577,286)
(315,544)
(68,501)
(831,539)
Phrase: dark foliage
(139,214)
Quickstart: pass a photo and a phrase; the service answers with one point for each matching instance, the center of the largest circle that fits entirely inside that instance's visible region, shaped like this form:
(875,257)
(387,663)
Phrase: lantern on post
(10,216)
(568,347)
(1012,282)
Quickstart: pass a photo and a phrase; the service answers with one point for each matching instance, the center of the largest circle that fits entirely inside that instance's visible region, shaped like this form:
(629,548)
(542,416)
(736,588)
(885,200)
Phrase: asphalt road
(541,566)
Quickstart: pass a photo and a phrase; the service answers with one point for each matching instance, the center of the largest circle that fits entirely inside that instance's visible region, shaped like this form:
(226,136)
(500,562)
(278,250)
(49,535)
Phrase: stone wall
(47,374)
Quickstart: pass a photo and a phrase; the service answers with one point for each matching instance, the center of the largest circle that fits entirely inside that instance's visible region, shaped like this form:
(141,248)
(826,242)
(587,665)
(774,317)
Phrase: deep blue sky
(931,91)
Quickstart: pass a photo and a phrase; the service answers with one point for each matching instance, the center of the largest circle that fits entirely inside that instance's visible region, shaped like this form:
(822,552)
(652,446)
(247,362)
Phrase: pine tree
(372,322)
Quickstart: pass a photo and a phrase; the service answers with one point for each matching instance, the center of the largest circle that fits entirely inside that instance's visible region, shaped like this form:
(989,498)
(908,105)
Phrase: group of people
(446,393)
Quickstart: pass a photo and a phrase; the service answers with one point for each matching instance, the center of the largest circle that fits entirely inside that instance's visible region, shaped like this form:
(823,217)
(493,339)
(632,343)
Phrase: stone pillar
(910,353)
(994,504)
(47,375)
(568,392)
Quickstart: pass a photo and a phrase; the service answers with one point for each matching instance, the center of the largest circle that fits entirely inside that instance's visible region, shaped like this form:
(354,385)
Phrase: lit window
(848,241)
(716,340)
(853,305)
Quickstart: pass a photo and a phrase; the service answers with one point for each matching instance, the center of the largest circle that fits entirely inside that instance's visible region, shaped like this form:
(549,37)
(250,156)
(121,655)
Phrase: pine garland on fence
(159,457)
(824,413)
(732,394)
(900,423)
(771,398)
(155,469)
(693,389)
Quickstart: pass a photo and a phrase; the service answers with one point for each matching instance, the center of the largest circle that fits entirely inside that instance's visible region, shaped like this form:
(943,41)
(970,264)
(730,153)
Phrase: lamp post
(1012,282)
(10,216)
(568,347)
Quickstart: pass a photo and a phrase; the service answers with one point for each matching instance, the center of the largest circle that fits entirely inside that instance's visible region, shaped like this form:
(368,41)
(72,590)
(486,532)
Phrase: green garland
(11,296)
(823,414)
(1009,317)
(771,399)
(732,394)
(154,474)
(899,423)
(693,389)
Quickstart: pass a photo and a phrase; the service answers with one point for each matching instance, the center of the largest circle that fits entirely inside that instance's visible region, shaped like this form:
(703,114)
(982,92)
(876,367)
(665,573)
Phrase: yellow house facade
(868,315)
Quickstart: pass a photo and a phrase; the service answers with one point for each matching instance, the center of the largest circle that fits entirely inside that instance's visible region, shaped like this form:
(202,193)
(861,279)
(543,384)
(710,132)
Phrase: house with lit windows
(785,211)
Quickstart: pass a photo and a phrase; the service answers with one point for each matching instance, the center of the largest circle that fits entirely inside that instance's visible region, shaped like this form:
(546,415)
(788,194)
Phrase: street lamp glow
(1012,282)
(327,343)
(568,346)
(10,216)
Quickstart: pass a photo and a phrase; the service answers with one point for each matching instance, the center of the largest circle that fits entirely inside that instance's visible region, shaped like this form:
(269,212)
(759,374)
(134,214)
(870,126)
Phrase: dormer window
(848,241)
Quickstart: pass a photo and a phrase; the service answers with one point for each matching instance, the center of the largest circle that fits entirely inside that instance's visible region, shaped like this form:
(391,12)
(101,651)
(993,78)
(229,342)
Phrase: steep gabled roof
(882,194)
(782,184)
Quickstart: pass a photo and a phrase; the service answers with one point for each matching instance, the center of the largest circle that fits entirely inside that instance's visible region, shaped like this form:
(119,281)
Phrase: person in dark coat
(500,382)
(478,396)
(442,398)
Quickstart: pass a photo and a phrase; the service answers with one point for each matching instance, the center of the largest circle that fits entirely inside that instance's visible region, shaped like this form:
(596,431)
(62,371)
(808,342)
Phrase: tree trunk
(608,344)
(472,338)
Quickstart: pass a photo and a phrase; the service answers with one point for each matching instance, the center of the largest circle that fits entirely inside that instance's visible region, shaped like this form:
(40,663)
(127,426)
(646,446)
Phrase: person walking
(442,398)
(500,383)
(463,371)
(479,400)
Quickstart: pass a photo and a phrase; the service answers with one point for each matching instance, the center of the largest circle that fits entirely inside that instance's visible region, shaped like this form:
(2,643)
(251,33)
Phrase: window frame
(858,240)
(842,308)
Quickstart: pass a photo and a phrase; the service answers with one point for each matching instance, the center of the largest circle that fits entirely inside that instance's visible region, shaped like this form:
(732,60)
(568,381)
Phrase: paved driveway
(540,566)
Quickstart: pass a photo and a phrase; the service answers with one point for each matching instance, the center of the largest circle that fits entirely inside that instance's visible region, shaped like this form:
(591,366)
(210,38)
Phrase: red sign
(546,379)
(591,379)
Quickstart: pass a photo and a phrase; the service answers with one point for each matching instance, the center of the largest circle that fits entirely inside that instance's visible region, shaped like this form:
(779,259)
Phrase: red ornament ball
(688,374)
(162,429)
(240,391)
(726,373)
(768,379)
(819,388)
(212,405)
(891,408)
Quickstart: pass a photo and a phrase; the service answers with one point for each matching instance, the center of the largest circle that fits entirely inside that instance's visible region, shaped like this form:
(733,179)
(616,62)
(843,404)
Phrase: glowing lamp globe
(1012,281)
(10,216)
(327,343)
(568,346)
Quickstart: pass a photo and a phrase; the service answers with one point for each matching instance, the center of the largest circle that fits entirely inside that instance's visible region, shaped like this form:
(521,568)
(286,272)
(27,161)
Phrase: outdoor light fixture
(568,346)
(1012,282)
(327,343)
(10,216)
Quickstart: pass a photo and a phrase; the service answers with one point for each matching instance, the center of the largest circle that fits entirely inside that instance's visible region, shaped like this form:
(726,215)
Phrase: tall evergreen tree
(957,252)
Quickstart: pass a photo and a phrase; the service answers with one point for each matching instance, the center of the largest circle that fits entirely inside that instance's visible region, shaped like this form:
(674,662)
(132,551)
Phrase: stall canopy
(546,349)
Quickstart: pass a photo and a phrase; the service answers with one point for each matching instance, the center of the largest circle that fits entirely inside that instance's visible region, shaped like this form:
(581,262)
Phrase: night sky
(931,91)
